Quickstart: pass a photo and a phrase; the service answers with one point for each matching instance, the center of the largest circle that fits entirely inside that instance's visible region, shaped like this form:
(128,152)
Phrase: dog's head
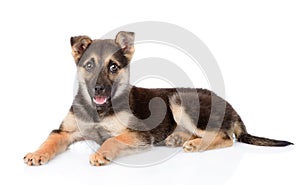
(102,66)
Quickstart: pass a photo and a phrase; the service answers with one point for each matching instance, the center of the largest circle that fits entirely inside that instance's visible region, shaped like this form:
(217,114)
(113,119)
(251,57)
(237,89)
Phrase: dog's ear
(79,44)
(126,42)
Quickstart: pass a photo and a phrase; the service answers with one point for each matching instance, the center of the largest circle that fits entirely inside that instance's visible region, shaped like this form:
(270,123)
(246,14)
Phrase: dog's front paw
(100,159)
(36,159)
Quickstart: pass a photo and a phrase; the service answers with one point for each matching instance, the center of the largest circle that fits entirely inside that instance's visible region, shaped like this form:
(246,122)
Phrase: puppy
(124,119)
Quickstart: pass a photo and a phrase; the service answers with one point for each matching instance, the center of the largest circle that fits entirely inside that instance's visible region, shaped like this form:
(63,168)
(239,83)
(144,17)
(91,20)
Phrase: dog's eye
(113,68)
(89,65)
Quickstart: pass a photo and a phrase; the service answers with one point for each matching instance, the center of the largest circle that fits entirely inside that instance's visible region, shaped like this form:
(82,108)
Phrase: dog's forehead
(102,48)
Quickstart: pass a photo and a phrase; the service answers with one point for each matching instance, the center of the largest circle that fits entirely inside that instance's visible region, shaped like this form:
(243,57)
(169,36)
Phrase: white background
(256,45)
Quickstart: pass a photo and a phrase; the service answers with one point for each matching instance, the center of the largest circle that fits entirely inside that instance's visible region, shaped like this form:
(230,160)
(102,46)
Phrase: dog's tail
(243,136)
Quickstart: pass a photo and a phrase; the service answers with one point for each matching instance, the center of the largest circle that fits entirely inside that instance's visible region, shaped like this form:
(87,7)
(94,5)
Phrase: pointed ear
(79,44)
(126,42)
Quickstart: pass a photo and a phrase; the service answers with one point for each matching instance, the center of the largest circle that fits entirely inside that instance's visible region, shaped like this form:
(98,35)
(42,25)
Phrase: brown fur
(191,143)
(114,147)
(177,139)
(56,143)
(209,142)
(79,45)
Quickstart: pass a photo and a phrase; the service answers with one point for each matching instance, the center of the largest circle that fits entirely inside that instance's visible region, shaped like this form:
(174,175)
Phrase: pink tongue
(100,100)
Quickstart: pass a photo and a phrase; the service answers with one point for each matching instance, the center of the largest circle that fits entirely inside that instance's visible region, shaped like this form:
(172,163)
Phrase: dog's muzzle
(101,97)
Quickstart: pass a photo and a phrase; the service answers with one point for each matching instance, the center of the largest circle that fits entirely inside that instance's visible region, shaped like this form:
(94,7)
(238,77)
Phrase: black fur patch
(56,131)
(71,109)
(261,141)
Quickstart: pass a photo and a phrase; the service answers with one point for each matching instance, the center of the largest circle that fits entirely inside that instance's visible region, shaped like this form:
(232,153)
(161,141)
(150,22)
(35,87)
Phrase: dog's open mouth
(100,100)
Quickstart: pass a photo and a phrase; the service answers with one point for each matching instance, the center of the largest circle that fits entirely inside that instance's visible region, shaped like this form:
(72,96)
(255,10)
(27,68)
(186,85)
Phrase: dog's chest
(115,124)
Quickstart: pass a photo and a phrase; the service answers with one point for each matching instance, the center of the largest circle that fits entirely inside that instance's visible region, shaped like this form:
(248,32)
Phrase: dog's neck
(88,111)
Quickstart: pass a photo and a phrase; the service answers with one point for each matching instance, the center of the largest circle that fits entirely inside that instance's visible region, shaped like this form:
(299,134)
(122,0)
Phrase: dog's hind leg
(178,138)
(211,140)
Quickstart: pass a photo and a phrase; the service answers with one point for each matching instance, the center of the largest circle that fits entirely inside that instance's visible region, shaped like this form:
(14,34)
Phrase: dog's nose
(99,88)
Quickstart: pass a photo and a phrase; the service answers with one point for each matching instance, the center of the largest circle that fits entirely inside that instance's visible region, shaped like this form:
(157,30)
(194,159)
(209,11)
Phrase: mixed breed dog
(118,116)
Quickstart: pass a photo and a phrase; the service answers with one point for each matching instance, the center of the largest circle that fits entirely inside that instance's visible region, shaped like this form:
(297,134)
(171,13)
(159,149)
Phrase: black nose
(99,88)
